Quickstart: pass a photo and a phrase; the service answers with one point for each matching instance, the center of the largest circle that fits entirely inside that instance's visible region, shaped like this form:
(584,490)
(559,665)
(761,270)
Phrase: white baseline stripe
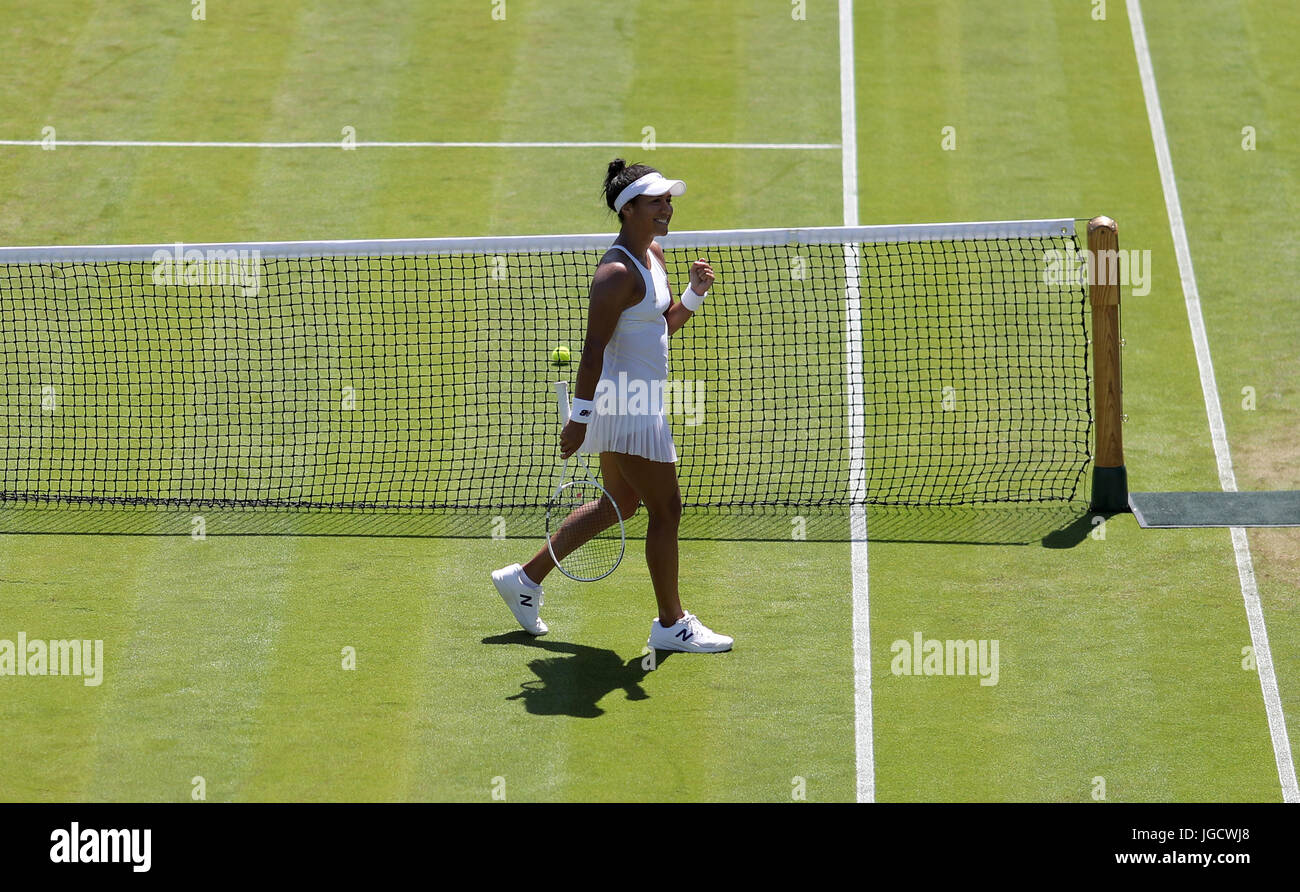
(864,737)
(338,144)
(1218,432)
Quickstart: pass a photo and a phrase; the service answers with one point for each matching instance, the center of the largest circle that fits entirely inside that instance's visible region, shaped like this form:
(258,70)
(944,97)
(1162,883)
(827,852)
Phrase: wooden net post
(1109,478)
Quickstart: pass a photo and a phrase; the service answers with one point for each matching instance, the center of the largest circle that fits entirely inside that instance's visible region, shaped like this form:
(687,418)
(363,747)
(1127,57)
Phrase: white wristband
(691,300)
(582,411)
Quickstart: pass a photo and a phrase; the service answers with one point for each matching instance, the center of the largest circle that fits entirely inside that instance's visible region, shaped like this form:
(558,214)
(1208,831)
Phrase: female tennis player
(630,318)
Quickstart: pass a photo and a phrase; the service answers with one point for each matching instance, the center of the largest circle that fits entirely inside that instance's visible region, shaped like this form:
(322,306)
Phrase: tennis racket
(584,528)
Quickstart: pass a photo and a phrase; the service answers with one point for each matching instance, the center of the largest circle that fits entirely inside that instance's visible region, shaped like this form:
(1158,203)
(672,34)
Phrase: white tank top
(639,345)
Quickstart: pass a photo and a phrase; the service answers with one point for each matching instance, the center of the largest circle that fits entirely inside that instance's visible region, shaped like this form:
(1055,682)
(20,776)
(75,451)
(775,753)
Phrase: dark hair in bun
(620,175)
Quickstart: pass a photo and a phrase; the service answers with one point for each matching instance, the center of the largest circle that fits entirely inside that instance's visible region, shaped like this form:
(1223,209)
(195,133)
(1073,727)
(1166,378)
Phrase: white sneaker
(524,600)
(688,635)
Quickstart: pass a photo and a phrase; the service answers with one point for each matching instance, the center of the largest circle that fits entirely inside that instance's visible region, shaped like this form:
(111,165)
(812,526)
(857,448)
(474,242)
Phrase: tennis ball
(560,356)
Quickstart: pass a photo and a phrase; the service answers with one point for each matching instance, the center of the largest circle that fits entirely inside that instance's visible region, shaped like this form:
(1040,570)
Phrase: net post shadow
(1072,534)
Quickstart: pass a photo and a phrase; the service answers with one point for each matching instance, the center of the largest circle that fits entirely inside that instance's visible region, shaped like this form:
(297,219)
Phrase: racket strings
(584,530)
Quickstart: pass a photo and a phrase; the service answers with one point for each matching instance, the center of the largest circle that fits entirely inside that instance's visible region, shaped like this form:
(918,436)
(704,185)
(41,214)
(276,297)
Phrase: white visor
(650,184)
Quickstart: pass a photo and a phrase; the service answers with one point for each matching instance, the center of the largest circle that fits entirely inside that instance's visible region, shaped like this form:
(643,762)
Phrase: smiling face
(648,213)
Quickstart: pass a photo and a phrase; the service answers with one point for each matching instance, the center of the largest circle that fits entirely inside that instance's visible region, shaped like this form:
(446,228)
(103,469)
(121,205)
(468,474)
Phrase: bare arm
(676,316)
(701,281)
(613,290)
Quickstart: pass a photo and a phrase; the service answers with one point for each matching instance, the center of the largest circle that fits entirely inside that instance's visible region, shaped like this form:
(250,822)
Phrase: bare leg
(656,484)
(587,521)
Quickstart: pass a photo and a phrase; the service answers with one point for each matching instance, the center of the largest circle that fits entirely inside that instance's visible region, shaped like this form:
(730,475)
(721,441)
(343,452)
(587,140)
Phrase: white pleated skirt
(646,435)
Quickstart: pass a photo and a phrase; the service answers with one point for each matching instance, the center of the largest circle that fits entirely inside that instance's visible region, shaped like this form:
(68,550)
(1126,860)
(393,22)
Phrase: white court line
(863,734)
(1218,433)
(338,144)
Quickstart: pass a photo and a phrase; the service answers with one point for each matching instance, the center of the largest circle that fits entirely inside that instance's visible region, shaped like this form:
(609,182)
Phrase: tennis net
(926,365)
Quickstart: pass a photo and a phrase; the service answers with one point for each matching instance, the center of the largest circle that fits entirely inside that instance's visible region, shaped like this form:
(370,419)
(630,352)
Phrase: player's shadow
(575,682)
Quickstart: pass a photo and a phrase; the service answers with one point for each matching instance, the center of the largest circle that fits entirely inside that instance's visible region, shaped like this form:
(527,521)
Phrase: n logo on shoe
(685,635)
(525,600)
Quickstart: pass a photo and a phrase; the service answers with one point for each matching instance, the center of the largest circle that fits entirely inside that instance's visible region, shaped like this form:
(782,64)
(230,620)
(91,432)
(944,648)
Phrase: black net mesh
(423,382)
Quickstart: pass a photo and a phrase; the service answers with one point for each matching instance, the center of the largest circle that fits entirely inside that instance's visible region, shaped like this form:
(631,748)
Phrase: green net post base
(1109,490)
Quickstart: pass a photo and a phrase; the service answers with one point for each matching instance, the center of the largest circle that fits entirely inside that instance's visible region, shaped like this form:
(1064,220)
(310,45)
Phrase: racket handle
(562,400)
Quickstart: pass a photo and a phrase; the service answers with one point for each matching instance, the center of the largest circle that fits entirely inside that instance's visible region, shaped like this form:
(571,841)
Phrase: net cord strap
(818,235)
